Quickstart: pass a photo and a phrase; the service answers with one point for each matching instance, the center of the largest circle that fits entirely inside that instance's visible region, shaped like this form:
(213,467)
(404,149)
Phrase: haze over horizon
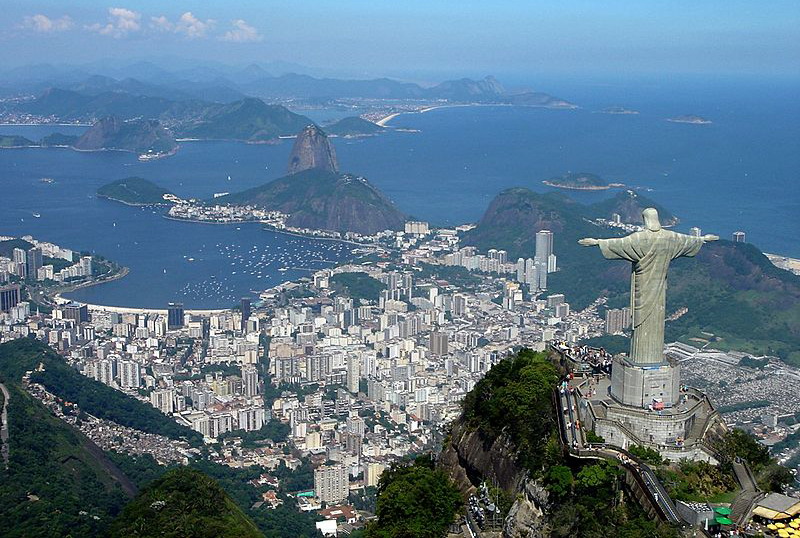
(415,40)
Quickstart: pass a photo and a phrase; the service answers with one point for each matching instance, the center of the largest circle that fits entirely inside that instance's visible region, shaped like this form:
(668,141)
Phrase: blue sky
(415,37)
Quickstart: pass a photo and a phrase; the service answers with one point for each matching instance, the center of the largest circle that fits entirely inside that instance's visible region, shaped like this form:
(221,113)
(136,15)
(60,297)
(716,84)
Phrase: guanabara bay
(399,270)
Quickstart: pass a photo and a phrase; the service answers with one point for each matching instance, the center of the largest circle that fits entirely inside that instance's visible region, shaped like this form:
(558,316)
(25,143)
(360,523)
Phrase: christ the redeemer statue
(649,252)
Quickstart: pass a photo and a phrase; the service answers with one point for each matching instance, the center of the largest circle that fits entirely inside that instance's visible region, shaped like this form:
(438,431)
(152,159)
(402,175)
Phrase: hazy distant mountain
(272,80)
(69,105)
(468,90)
(312,150)
(307,87)
(487,90)
(250,119)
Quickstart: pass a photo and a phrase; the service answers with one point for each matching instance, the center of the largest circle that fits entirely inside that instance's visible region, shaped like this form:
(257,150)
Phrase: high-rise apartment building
(174,315)
(331,483)
(250,380)
(33,262)
(79,313)
(245,312)
(9,297)
(438,343)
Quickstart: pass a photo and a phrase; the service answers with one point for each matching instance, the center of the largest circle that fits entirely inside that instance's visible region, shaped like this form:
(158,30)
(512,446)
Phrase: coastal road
(4,427)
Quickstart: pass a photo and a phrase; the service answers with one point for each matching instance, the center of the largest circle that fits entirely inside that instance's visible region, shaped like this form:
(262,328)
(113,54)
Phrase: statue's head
(650,217)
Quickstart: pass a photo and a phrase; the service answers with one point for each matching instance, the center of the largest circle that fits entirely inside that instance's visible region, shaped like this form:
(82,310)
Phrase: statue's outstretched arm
(710,237)
(589,242)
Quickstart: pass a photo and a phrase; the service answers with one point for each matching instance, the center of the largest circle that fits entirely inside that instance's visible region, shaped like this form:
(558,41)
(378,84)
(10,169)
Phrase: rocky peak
(312,150)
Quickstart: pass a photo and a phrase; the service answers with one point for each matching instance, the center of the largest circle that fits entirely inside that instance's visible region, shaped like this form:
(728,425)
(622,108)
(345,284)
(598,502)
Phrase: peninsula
(580,181)
(313,198)
(135,191)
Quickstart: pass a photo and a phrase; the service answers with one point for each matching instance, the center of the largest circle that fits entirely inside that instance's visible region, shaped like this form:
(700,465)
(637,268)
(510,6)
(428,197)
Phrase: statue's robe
(650,253)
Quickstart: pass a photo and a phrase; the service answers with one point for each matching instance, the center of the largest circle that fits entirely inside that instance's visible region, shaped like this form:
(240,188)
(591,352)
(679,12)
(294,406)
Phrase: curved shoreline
(389,117)
(130,204)
(111,278)
(267,227)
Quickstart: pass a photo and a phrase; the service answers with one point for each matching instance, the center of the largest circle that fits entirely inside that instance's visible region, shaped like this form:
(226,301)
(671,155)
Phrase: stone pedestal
(639,385)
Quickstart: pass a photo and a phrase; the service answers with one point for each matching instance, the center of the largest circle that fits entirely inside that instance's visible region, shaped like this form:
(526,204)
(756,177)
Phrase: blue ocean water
(739,173)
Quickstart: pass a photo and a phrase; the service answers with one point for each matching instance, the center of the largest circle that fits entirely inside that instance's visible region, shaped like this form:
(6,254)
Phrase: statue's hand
(588,242)
(710,237)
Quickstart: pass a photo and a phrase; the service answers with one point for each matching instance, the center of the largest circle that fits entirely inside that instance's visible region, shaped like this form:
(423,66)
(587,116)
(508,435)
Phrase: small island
(618,110)
(352,127)
(135,191)
(581,181)
(691,119)
(14,141)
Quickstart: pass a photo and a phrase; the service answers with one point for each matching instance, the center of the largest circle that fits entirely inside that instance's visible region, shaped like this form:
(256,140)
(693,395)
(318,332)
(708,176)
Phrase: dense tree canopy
(184,503)
(515,397)
(415,499)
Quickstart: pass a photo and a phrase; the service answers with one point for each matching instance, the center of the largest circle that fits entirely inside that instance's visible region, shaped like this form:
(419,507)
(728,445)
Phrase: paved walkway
(4,427)
(572,436)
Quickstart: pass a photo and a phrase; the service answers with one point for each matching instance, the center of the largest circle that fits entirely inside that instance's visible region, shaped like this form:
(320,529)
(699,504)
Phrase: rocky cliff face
(469,459)
(312,150)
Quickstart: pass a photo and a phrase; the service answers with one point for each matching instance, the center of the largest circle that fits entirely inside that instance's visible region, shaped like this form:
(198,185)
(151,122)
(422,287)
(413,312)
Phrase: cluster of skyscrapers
(533,271)
(530,271)
(28,265)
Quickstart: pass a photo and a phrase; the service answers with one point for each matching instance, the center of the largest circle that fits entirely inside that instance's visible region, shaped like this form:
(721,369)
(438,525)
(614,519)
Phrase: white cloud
(44,24)
(241,33)
(161,24)
(121,22)
(187,24)
(192,27)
